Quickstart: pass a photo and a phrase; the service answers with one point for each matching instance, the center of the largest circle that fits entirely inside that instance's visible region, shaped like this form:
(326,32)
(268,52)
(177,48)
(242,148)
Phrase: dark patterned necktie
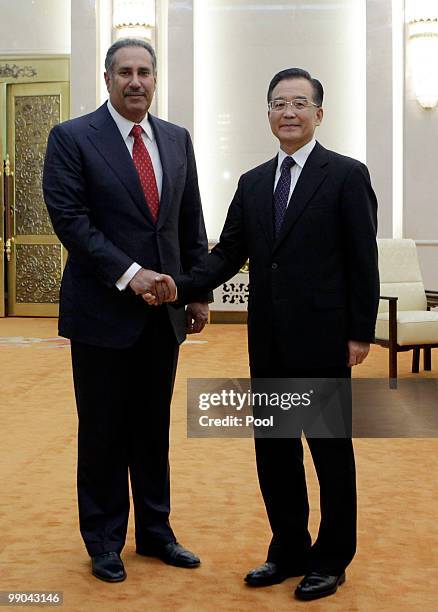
(145,169)
(281,193)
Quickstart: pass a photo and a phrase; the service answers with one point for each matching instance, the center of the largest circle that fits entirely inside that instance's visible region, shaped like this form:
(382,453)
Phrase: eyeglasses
(299,104)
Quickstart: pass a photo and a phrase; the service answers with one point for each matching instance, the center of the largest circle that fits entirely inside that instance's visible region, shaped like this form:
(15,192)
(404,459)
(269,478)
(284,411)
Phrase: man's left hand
(357,352)
(196,317)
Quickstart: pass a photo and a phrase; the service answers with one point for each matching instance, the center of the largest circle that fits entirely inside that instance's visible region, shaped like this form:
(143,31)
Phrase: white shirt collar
(300,156)
(125,125)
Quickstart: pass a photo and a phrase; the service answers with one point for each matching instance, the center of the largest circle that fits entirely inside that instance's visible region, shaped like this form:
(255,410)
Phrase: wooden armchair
(405,321)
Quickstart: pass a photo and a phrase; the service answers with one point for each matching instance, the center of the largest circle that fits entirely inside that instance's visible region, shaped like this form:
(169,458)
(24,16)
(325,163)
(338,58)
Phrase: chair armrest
(432,298)
(392,319)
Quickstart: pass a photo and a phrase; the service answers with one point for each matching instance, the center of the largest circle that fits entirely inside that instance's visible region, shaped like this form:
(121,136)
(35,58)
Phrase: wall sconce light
(134,18)
(422,17)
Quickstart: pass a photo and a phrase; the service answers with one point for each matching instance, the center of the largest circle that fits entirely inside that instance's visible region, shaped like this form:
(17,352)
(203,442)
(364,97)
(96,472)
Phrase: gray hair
(128,42)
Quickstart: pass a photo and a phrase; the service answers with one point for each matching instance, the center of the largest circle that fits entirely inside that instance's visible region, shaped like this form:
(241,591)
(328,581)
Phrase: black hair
(298,73)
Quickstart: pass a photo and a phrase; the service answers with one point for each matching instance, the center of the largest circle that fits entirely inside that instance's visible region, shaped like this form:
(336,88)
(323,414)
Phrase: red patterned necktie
(145,169)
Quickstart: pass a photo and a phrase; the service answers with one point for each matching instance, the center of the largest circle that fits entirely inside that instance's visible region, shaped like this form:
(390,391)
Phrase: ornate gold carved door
(36,257)
(2,240)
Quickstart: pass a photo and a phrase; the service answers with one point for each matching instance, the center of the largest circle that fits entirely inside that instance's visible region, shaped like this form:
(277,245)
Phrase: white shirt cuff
(126,278)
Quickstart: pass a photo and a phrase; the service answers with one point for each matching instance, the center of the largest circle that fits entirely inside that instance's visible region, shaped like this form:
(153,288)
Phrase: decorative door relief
(34,96)
(2,239)
(35,266)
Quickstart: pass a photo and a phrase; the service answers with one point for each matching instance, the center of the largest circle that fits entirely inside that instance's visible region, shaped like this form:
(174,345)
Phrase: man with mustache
(306,220)
(122,192)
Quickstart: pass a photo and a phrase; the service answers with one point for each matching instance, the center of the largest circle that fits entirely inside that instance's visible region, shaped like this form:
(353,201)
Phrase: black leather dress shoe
(270,573)
(172,554)
(108,566)
(315,585)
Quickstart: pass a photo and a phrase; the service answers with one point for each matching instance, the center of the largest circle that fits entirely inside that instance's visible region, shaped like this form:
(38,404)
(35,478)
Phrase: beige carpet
(217,508)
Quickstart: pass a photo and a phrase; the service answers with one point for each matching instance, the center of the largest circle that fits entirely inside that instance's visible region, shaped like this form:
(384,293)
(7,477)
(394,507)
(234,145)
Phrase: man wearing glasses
(306,220)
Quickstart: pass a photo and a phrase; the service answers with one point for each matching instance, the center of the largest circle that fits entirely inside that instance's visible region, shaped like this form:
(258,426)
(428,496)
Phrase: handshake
(154,288)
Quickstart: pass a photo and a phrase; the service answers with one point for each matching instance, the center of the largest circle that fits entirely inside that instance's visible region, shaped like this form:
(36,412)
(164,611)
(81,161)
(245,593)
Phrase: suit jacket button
(274,266)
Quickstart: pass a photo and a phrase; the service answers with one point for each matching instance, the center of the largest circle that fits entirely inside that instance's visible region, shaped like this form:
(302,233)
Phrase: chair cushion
(411,296)
(398,261)
(400,274)
(413,327)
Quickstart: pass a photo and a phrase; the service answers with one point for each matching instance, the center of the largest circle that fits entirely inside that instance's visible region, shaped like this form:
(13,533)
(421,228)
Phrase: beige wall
(239,46)
(379,108)
(34,27)
(421,180)
(247,42)
(84,70)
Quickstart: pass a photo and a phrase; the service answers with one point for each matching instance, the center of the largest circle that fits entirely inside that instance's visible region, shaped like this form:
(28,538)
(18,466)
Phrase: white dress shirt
(300,157)
(125,126)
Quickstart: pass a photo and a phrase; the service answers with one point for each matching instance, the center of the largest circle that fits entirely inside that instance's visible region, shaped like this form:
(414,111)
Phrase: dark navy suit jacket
(99,212)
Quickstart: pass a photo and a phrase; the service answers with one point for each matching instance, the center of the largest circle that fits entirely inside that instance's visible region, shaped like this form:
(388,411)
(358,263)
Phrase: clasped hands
(156,288)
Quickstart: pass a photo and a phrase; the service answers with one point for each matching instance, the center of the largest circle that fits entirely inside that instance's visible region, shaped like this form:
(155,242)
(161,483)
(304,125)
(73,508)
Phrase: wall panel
(238,46)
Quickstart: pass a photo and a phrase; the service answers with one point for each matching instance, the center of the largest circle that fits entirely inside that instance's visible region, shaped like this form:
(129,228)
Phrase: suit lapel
(311,177)
(106,137)
(169,163)
(264,197)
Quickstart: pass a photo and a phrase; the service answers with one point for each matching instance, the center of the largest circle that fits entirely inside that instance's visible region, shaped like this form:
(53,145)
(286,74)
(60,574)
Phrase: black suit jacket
(99,212)
(316,285)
